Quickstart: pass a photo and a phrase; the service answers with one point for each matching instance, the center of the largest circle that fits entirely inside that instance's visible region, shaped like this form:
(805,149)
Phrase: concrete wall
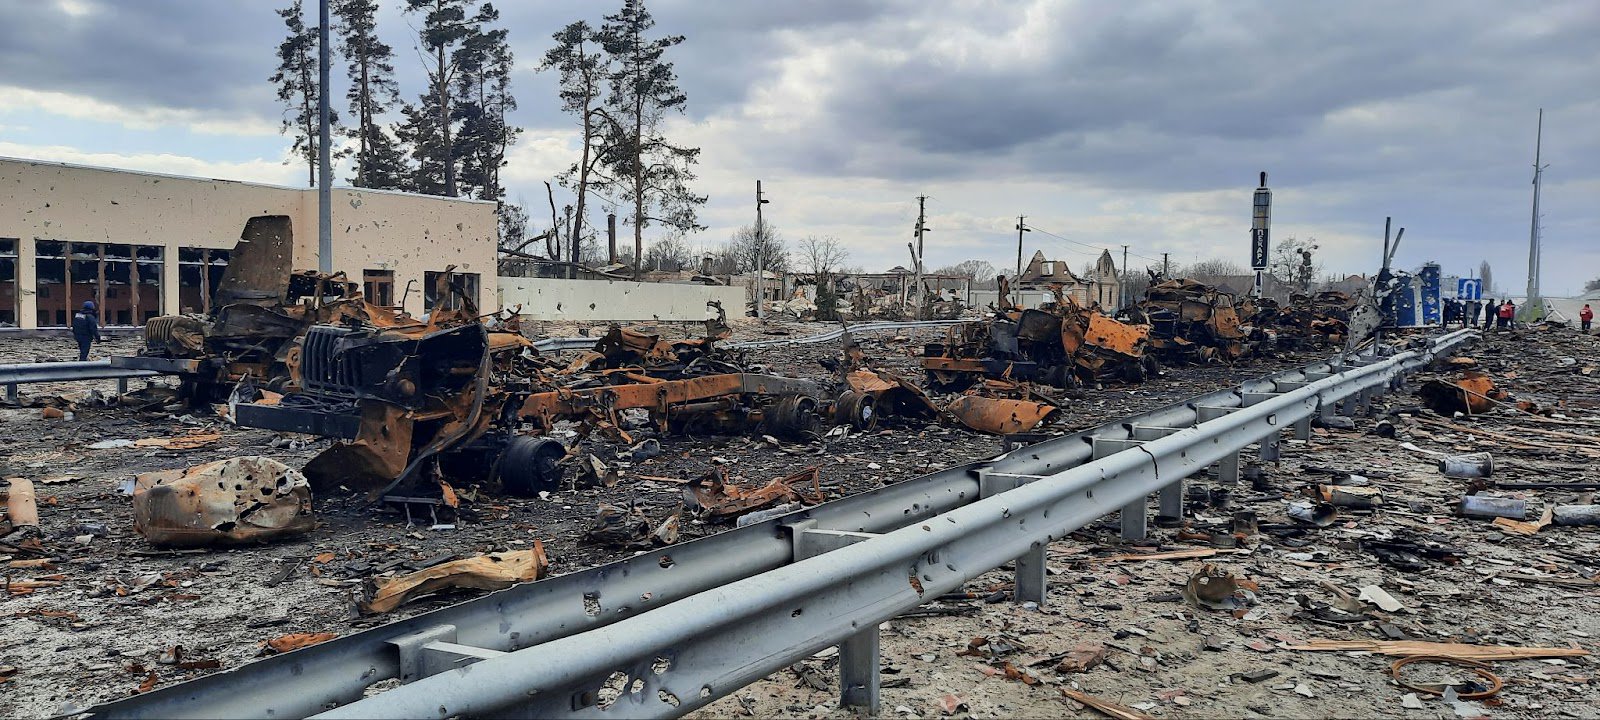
(603,300)
(377,230)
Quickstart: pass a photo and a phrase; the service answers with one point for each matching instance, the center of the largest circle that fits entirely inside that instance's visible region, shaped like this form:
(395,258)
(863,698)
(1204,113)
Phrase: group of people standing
(1466,313)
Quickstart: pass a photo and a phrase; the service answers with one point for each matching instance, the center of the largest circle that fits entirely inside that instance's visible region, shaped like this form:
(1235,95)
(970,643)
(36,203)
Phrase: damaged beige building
(142,245)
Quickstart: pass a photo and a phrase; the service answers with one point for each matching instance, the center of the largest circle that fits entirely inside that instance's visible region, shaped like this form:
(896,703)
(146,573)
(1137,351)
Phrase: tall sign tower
(1259,228)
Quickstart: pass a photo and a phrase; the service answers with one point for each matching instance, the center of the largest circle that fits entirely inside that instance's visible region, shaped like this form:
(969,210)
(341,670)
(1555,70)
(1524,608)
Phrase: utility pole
(916,260)
(1533,307)
(1122,281)
(761,255)
(1164,265)
(324,164)
(1021,228)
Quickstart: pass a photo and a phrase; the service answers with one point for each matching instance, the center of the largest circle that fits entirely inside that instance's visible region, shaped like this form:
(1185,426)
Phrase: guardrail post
(859,683)
(122,386)
(1228,466)
(1135,515)
(1030,582)
(11,393)
(1302,429)
(1269,447)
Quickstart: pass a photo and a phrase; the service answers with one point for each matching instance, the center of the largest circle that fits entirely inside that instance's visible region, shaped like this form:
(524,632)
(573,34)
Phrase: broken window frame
(469,283)
(378,287)
(10,269)
(200,271)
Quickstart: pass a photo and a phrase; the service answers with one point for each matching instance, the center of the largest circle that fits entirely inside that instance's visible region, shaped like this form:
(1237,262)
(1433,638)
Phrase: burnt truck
(260,307)
(416,409)
(1061,344)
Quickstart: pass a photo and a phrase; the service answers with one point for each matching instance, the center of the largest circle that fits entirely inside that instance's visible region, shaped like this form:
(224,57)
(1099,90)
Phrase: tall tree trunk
(446,151)
(638,161)
(365,121)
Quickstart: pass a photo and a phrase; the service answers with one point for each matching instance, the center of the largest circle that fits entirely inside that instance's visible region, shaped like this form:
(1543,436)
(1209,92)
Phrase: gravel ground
(1167,658)
(126,603)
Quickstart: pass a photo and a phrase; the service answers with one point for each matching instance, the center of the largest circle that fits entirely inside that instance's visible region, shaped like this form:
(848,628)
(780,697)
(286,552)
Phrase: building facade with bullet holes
(141,245)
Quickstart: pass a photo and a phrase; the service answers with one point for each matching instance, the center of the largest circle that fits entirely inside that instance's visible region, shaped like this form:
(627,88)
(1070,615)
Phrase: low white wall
(602,300)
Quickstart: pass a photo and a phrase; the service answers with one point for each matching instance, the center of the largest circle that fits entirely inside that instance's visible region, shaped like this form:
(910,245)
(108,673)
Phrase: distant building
(141,244)
(1100,287)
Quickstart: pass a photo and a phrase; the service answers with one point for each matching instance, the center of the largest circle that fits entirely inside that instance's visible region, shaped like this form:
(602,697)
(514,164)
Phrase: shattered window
(50,278)
(8,281)
(378,286)
(199,272)
(467,282)
(148,265)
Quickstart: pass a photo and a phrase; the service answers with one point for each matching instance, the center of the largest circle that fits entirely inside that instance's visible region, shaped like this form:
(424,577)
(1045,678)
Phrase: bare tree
(1294,263)
(981,272)
(1486,274)
(821,255)
(754,250)
(1213,271)
(670,254)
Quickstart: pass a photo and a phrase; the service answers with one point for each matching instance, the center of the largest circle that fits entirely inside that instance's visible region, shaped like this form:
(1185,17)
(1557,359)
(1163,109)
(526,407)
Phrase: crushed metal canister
(238,500)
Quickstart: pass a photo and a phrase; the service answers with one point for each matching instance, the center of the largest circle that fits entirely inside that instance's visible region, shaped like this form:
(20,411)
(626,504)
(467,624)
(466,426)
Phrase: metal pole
(1531,306)
(761,258)
(324,164)
(916,260)
(1122,281)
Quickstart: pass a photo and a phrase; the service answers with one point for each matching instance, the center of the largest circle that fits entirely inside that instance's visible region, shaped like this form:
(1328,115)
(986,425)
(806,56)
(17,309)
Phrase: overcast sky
(1106,123)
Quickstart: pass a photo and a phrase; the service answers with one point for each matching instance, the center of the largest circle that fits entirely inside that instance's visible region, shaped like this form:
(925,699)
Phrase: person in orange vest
(1586,316)
(1507,312)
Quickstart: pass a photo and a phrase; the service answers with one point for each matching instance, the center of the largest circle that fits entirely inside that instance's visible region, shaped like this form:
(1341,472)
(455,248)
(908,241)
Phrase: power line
(1087,245)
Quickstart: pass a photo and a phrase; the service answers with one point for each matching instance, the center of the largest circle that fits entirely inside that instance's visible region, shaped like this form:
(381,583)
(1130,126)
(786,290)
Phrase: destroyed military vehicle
(1061,344)
(417,407)
(261,306)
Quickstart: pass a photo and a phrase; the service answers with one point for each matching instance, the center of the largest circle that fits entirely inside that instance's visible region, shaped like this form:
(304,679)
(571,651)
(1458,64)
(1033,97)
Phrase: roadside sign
(1469,289)
(1258,248)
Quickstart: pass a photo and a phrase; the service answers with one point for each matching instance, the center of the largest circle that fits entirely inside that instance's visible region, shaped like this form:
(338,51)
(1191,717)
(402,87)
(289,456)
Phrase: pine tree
(373,92)
(446,27)
(297,83)
(419,131)
(654,172)
(483,92)
(584,68)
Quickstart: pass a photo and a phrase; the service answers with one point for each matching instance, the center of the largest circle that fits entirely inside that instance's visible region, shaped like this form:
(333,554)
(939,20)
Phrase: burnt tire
(856,410)
(793,415)
(529,465)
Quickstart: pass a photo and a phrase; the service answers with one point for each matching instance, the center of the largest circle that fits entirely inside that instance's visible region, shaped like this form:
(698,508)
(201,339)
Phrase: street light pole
(324,164)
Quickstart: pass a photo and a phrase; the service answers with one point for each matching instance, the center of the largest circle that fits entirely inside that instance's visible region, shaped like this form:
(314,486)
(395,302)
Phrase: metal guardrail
(696,621)
(24,373)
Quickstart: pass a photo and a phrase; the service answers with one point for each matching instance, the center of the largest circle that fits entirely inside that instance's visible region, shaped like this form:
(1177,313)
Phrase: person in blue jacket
(85,329)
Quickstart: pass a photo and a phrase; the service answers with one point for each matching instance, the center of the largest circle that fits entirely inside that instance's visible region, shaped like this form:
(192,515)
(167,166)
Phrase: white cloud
(83,107)
(258,170)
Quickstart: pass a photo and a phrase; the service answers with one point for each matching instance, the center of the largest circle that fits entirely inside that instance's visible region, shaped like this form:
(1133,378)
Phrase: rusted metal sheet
(1001,416)
(22,509)
(234,501)
(713,495)
(494,571)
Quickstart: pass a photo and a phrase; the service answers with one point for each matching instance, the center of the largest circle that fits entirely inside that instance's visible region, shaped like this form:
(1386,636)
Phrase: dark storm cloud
(184,54)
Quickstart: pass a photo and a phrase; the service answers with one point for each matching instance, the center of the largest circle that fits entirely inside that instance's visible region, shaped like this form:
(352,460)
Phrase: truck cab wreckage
(453,401)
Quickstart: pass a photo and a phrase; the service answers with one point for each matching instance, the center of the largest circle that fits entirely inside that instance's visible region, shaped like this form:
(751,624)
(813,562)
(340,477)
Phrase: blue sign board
(1469,289)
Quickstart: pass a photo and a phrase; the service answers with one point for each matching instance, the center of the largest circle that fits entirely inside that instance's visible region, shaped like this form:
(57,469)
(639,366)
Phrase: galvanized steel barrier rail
(673,630)
(23,373)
